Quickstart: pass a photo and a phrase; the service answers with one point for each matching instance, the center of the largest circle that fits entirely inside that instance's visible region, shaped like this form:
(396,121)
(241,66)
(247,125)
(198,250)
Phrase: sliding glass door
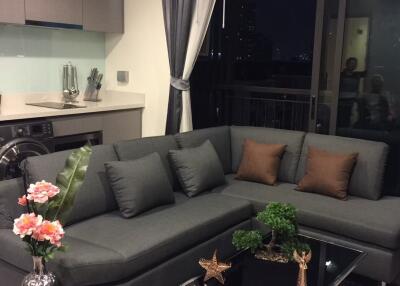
(325,66)
(359,86)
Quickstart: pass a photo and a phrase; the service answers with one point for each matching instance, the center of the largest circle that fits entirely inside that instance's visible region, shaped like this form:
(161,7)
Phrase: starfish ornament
(214,268)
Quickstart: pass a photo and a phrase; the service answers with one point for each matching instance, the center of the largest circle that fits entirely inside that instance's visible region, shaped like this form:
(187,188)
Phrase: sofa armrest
(10,191)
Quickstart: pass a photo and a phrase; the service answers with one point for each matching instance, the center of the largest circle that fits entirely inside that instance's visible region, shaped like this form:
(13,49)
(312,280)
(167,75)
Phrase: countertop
(13,106)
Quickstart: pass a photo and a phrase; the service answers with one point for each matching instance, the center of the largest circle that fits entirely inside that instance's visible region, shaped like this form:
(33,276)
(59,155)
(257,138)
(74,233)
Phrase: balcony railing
(262,106)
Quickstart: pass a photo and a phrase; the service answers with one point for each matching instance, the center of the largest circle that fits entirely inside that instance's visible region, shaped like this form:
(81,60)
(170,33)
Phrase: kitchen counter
(13,106)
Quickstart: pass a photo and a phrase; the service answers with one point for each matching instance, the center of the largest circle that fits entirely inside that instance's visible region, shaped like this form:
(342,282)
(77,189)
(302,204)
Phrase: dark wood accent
(337,65)
(103,16)
(56,11)
(12,11)
(316,65)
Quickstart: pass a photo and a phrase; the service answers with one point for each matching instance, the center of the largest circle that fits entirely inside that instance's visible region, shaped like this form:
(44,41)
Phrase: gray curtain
(178,16)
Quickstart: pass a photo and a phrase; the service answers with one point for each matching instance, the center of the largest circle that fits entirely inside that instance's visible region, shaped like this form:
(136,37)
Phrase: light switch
(123,76)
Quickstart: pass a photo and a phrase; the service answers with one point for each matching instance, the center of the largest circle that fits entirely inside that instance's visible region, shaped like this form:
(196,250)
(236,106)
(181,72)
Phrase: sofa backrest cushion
(138,148)
(366,180)
(198,168)
(95,196)
(220,137)
(136,191)
(292,139)
(10,191)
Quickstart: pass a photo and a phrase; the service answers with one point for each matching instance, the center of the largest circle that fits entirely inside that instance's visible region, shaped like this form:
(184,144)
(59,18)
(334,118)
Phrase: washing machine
(20,140)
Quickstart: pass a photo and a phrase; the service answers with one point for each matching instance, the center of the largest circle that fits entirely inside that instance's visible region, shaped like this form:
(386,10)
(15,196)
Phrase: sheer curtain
(200,22)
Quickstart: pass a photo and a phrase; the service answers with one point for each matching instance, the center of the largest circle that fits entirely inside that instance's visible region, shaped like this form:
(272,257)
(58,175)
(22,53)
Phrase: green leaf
(69,181)
(295,244)
(63,248)
(281,218)
(247,239)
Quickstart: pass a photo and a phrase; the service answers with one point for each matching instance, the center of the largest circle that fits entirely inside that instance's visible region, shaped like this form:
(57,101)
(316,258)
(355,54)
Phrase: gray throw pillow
(198,169)
(139,185)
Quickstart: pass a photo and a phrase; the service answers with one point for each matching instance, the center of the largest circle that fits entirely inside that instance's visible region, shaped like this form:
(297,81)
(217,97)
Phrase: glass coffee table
(330,265)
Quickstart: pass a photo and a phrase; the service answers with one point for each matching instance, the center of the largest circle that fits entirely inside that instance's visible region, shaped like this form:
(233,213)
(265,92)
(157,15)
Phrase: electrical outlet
(123,76)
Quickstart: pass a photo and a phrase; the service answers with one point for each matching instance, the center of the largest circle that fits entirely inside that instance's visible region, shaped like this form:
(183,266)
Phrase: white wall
(142,50)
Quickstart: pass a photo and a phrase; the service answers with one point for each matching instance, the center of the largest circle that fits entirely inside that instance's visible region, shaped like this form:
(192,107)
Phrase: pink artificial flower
(51,231)
(42,191)
(26,224)
(23,201)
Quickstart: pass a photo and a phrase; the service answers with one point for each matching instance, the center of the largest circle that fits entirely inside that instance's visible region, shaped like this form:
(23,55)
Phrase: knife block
(92,92)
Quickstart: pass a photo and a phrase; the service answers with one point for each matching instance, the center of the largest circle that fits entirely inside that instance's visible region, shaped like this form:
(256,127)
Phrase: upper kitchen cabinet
(54,11)
(12,11)
(103,15)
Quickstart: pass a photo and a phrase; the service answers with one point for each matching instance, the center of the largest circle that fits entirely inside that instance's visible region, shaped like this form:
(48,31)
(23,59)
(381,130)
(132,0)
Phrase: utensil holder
(92,92)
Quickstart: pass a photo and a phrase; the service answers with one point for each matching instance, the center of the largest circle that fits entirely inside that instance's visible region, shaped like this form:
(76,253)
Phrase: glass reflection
(369,96)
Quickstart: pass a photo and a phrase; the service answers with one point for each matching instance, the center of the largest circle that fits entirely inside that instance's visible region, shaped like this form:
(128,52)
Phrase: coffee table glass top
(330,265)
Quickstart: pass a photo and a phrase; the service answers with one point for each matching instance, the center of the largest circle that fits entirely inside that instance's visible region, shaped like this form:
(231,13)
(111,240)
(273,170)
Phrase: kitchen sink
(56,105)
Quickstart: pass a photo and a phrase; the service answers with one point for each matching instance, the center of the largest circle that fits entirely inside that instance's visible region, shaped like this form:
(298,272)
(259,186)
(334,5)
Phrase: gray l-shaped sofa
(162,246)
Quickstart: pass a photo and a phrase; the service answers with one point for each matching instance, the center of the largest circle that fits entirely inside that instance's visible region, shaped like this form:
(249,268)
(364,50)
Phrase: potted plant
(47,205)
(281,219)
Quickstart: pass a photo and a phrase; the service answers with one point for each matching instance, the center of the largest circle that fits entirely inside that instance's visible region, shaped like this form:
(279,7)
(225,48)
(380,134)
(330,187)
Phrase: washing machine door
(14,152)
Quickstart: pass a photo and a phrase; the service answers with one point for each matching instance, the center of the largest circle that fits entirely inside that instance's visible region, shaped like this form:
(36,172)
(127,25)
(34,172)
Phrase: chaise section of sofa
(347,218)
(152,238)
(104,247)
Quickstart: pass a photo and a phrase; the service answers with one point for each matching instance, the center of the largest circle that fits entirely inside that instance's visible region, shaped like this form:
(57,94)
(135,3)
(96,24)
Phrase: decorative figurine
(214,268)
(302,261)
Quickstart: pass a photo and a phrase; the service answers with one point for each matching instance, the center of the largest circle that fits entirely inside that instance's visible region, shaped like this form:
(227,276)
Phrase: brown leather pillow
(260,162)
(327,173)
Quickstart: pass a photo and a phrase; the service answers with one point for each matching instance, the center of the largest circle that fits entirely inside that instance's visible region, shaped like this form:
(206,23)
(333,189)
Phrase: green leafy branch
(243,239)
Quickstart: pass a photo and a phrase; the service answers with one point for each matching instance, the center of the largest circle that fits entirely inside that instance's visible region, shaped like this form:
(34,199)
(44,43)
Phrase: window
(263,44)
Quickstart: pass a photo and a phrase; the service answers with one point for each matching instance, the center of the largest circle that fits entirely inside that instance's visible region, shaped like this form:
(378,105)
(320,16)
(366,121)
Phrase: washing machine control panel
(38,130)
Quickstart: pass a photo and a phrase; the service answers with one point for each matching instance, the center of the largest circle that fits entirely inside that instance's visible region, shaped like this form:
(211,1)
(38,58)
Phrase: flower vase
(40,276)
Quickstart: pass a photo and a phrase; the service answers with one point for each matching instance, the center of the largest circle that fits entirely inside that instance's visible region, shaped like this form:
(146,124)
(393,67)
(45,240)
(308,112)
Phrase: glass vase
(40,276)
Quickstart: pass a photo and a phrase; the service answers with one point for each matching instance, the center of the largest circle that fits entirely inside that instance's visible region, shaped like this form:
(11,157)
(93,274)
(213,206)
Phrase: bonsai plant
(281,219)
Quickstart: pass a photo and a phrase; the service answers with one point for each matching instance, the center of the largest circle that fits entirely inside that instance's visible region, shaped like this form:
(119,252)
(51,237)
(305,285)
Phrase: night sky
(288,23)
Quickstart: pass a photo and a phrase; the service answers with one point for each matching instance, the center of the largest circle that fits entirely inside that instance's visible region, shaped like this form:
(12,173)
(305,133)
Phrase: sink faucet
(70,83)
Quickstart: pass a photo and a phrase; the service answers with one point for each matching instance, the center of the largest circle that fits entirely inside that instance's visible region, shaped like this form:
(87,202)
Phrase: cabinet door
(103,15)
(12,11)
(55,11)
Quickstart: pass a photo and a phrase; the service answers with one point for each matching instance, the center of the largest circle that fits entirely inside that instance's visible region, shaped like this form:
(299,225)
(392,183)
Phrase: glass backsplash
(31,58)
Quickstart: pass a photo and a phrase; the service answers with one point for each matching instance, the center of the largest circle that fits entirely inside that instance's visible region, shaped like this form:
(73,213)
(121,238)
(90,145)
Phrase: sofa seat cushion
(135,245)
(77,266)
(370,221)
